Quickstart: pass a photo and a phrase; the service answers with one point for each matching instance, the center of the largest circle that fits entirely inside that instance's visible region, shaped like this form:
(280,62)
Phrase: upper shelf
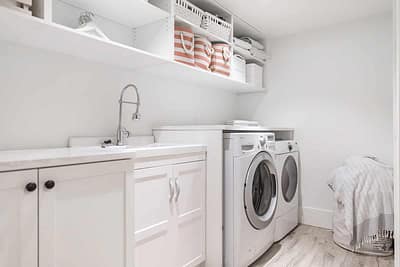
(196,76)
(34,32)
(132,13)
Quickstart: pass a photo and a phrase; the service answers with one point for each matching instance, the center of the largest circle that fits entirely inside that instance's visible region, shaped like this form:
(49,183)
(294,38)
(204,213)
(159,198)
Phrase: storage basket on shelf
(238,68)
(184,45)
(254,74)
(221,59)
(189,12)
(203,52)
(216,26)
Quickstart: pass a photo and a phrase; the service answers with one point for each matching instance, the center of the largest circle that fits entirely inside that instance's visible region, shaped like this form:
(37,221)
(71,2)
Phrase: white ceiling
(282,17)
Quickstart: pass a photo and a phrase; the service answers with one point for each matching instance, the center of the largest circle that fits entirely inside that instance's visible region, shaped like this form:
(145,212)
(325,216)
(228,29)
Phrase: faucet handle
(125,132)
(106,143)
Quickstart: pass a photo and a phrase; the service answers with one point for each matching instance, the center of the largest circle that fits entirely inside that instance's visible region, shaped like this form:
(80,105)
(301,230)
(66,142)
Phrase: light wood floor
(309,246)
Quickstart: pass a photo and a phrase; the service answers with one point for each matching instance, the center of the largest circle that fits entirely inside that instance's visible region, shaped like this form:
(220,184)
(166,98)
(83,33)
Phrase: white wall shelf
(34,32)
(196,76)
(132,13)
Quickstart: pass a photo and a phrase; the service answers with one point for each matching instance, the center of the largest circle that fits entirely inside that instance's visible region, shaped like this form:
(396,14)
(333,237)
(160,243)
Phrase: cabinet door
(18,219)
(85,215)
(190,213)
(153,213)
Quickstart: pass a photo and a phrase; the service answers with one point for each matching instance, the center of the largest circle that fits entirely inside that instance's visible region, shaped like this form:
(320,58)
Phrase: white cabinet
(18,219)
(190,217)
(170,215)
(79,215)
(83,219)
(153,217)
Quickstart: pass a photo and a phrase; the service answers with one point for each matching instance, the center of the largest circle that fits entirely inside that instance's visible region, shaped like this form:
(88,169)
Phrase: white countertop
(39,158)
(219,127)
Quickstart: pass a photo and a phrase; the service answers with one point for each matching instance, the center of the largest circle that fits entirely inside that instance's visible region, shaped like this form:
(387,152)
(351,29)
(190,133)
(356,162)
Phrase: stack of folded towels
(255,48)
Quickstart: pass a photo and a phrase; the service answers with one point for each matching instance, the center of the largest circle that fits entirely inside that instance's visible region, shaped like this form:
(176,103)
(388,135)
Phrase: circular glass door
(260,197)
(289,179)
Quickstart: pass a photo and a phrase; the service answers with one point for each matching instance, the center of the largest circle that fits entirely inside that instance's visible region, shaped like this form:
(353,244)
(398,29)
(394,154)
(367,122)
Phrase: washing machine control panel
(267,141)
(263,141)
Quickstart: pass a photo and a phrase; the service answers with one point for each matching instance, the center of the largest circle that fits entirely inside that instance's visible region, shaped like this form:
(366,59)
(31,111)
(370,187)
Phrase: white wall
(46,97)
(334,86)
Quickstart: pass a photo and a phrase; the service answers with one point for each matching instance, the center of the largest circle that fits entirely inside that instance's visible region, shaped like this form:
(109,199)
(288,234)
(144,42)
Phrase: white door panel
(190,213)
(18,219)
(83,221)
(153,217)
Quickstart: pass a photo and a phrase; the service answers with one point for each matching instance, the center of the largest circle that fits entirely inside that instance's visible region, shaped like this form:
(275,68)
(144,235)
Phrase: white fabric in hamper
(363,219)
(254,74)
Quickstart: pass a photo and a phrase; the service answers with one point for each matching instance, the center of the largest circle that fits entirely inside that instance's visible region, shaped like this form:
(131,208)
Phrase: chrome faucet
(121,131)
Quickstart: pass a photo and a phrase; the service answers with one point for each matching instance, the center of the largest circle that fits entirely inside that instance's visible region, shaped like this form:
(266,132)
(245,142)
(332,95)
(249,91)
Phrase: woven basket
(189,12)
(216,26)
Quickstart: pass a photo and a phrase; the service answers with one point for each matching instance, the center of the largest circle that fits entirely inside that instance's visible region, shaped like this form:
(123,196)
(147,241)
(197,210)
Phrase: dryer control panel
(242,143)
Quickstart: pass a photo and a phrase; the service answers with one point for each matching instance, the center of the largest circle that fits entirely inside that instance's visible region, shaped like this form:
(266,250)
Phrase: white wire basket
(216,26)
(189,12)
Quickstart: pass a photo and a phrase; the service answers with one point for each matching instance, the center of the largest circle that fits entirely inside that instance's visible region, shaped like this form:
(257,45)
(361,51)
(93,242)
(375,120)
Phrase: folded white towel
(243,123)
(260,54)
(241,43)
(253,43)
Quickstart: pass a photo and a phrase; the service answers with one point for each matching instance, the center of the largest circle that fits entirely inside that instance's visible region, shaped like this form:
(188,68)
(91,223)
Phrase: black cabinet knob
(49,184)
(30,187)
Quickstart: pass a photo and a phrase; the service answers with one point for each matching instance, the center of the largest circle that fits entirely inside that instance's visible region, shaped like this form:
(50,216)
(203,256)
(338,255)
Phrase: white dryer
(250,196)
(287,163)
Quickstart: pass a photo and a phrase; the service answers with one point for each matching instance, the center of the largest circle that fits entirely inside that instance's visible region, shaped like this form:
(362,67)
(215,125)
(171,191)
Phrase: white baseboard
(316,217)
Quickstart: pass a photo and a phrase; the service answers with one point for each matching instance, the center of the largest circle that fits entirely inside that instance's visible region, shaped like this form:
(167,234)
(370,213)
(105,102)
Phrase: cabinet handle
(30,187)
(178,189)
(171,190)
(49,184)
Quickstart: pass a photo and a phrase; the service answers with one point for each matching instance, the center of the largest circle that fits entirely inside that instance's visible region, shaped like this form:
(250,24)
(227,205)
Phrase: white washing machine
(287,164)
(250,196)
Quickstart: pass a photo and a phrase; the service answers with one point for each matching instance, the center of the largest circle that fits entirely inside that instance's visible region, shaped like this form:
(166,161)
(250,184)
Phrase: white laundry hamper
(380,245)
(363,216)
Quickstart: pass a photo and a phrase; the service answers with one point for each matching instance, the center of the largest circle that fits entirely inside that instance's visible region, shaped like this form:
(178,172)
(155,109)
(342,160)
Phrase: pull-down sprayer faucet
(121,131)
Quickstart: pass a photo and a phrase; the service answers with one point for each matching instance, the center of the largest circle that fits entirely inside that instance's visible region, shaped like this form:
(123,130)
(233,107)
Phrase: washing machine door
(260,191)
(289,180)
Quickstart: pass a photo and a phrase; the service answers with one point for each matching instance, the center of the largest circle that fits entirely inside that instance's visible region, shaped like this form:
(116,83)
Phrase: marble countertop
(39,158)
